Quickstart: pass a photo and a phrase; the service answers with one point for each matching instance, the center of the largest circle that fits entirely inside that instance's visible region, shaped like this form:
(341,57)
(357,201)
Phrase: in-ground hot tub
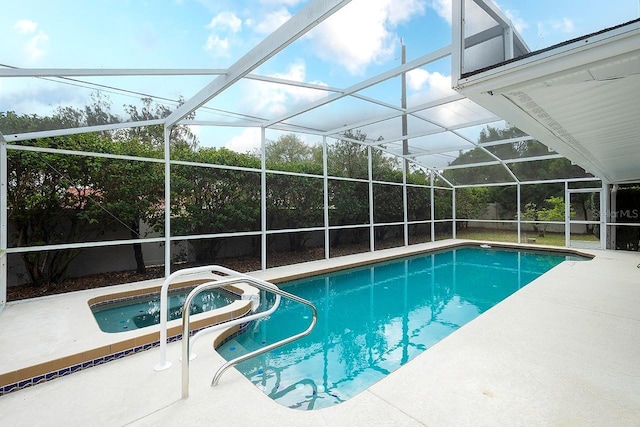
(141,311)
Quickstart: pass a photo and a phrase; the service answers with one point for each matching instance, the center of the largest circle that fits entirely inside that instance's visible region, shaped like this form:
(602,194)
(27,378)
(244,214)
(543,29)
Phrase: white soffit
(581,98)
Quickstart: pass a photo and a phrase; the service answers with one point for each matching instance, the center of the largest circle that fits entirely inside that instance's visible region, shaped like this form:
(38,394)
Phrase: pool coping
(284,276)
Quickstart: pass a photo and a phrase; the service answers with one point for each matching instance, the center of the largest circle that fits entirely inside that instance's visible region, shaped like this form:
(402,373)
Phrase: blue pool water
(374,319)
(141,312)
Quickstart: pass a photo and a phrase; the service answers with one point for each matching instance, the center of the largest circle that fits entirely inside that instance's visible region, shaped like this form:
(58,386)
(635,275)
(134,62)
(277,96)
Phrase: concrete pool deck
(564,350)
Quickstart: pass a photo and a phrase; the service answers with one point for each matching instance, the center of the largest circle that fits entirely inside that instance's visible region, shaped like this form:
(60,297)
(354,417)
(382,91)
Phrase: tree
(530,213)
(554,212)
(294,201)
(470,203)
(290,149)
(10,122)
(96,113)
(180,136)
(210,200)
(348,159)
(527,170)
(48,200)
(131,190)
(59,198)
(139,199)
(387,207)
(349,200)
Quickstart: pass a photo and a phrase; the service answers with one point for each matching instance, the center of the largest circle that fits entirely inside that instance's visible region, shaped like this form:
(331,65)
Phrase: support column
(263,198)
(604,210)
(405,204)
(433,209)
(325,185)
(507,35)
(405,147)
(164,303)
(519,217)
(567,215)
(457,41)
(167,201)
(372,234)
(611,215)
(453,212)
(3,222)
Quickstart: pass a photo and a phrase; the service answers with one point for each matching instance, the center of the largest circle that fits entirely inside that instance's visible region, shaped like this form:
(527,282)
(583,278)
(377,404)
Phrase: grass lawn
(552,239)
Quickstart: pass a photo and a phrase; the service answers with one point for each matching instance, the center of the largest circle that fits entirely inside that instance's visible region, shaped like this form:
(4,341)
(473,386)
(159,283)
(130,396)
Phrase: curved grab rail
(187,340)
(234,322)
(163,363)
(266,286)
(314,319)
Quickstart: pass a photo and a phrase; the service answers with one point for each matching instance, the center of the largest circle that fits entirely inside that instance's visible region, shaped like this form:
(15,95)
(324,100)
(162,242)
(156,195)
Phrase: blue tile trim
(9,388)
(241,329)
(29,382)
(39,379)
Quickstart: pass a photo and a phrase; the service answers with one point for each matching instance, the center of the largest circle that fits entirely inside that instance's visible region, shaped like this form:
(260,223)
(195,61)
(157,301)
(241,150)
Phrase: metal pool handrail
(164,363)
(234,322)
(266,286)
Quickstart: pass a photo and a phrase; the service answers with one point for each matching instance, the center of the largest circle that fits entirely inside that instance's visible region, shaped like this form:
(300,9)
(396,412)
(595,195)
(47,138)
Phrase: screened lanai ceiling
(440,122)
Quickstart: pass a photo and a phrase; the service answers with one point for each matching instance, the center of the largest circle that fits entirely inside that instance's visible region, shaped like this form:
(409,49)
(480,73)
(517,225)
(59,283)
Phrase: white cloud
(548,31)
(226,21)
(35,46)
(223,26)
(39,96)
(361,33)
(443,8)
(271,100)
(25,26)
(271,22)
(416,79)
(249,140)
(565,25)
(218,46)
(297,72)
(519,23)
(427,86)
(402,11)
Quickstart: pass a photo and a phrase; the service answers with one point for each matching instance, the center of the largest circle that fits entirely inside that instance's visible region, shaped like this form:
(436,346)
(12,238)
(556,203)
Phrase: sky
(361,40)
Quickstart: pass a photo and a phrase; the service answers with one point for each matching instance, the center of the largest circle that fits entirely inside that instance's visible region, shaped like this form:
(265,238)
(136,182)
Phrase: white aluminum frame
(311,15)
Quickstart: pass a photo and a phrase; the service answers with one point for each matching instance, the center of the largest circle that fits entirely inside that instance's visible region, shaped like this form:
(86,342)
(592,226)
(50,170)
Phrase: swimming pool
(374,319)
(144,311)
